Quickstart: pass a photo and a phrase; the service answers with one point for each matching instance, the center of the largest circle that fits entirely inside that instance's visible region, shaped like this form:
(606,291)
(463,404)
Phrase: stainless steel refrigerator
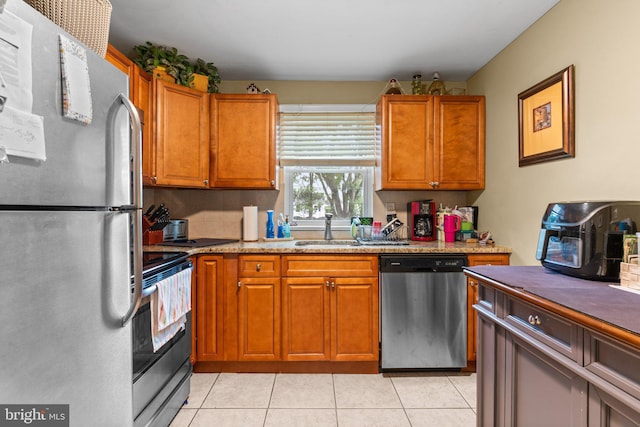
(68,228)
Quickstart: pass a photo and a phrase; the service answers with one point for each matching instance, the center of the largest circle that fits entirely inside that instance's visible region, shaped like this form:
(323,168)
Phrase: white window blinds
(327,135)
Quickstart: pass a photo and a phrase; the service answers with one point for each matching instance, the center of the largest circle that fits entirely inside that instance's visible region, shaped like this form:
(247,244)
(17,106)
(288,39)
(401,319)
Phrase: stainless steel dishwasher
(423,312)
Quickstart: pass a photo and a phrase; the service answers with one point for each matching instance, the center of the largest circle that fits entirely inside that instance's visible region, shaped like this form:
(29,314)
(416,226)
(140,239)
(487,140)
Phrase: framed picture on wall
(546,119)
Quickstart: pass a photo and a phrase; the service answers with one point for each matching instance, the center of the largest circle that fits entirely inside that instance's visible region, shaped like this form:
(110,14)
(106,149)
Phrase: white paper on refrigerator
(76,88)
(15,61)
(22,134)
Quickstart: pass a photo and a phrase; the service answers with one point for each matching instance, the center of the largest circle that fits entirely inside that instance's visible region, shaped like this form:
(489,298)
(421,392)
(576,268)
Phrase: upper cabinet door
(431,142)
(406,123)
(121,62)
(182,135)
(243,141)
(459,142)
(143,99)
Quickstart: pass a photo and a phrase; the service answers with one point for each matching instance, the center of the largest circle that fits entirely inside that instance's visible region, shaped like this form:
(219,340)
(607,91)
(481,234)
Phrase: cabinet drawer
(613,361)
(487,296)
(259,266)
(548,328)
(488,259)
(334,266)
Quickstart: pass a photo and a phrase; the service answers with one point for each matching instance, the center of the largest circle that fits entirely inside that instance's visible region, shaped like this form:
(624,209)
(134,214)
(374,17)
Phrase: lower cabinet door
(540,391)
(605,410)
(208,308)
(259,319)
(354,318)
(306,318)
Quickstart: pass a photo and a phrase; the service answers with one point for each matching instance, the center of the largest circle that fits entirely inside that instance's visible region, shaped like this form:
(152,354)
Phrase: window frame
(337,224)
(339,166)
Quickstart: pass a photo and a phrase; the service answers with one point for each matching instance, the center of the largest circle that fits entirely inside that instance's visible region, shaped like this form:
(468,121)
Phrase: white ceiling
(354,40)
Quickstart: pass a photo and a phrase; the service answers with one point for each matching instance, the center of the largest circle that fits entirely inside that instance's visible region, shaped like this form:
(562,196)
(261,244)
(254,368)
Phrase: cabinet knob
(239,284)
(206,182)
(327,283)
(273,183)
(534,320)
(154,179)
(333,284)
(258,267)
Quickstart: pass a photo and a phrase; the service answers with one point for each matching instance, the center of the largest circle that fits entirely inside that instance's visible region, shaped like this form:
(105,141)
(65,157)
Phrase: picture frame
(546,128)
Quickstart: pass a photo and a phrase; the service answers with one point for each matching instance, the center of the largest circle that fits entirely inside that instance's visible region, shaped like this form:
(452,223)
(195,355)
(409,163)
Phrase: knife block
(150,237)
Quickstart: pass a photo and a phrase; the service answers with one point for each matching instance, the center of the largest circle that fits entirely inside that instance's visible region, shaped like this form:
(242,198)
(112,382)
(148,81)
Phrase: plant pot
(161,74)
(199,82)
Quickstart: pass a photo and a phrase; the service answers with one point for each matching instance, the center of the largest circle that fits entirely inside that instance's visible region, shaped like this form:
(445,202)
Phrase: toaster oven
(585,239)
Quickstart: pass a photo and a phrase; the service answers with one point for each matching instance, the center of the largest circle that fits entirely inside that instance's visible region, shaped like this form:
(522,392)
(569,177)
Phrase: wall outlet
(391,207)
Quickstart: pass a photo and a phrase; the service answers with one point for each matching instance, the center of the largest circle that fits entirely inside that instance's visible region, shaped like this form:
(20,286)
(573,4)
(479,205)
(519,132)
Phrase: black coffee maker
(421,216)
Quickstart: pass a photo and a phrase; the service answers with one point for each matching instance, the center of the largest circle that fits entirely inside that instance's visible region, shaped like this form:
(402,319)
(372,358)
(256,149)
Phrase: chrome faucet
(327,227)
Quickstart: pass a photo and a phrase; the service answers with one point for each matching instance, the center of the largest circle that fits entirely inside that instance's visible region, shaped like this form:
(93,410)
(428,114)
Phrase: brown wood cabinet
(472,298)
(431,142)
(141,94)
(208,308)
(143,99)
(330,308)
(258,302)
(123,63)
(181,135)
(243,141)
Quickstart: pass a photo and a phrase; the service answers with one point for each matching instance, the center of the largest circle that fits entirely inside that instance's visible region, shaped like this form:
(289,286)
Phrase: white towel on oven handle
(169,305)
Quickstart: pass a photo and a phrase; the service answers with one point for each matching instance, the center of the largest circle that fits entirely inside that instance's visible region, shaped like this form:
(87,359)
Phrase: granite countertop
(603,306)
(290,247)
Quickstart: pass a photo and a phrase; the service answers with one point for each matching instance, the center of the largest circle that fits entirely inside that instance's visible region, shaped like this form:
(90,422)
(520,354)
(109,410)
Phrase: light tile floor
(343,400)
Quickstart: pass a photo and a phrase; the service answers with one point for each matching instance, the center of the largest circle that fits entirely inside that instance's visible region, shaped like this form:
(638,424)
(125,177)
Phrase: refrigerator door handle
(137,266)
(136,160)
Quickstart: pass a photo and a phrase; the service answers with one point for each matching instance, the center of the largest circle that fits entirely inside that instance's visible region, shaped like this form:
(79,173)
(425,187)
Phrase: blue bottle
(270,224)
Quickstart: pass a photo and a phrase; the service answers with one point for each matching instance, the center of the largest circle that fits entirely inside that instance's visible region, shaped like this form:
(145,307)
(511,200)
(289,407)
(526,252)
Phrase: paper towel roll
(250,224)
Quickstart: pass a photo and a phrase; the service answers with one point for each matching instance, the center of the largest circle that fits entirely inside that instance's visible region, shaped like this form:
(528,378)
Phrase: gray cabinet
(539,390)
(537,368)
(606,410)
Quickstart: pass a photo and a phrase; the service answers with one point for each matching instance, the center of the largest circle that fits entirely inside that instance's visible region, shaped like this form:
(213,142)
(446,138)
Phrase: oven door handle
(148,291)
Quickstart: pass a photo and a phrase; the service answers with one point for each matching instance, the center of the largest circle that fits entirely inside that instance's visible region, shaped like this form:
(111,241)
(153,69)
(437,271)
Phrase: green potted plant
(210,71)
(158,60)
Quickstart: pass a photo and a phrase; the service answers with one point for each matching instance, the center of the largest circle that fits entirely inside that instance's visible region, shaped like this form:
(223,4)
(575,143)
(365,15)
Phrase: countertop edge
(289,247)
(594,323)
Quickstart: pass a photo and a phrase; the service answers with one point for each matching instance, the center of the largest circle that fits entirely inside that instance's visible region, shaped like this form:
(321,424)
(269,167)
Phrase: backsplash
(218,213)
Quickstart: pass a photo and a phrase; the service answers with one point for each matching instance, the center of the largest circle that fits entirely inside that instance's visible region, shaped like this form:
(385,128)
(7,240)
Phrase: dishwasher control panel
(435,263)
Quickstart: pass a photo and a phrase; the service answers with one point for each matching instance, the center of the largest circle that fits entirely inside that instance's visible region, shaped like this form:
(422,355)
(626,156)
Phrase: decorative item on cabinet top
(437,86)
(394,88)
(178,66)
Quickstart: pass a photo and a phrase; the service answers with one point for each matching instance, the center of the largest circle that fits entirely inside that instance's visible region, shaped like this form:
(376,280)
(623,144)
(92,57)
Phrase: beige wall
(601,39)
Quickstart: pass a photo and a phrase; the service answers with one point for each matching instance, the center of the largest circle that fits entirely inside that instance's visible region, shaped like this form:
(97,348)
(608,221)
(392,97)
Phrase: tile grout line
(273,386)
(459,392)
(400,400)
(335,399)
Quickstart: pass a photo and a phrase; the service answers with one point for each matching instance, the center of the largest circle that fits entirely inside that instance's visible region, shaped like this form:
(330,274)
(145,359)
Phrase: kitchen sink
(326,242)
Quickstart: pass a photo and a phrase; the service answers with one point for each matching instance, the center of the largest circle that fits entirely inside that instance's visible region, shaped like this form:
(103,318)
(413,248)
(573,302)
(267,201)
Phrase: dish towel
(169,305)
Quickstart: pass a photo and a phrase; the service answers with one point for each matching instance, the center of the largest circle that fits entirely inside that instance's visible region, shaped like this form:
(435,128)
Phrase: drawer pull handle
(534,320)
(258,267)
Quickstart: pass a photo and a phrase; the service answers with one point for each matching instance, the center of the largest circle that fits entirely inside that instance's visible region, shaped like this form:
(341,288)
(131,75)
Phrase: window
(328,154)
